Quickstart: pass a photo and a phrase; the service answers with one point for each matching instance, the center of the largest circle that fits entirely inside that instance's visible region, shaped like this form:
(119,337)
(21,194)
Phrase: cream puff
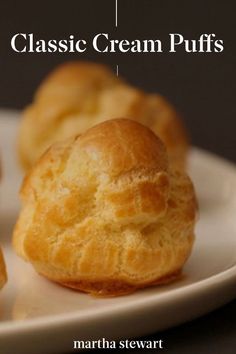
(3,273)
(105,212)
(78,95)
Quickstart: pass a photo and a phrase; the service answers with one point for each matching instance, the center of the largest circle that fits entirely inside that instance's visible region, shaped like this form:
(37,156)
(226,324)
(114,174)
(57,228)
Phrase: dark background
(201,85)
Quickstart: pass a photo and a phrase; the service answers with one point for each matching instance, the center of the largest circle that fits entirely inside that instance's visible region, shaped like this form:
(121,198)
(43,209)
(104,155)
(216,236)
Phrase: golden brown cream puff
(105,212)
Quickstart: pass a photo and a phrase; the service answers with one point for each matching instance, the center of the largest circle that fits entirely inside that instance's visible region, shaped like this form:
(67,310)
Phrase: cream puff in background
(77,95)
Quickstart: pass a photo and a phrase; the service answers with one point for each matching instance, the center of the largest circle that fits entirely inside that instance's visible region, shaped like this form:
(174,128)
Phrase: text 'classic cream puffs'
(105,213)
(78,95)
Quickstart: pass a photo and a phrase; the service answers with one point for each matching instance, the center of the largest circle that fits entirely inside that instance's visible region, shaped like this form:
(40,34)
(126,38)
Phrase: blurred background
(201,85)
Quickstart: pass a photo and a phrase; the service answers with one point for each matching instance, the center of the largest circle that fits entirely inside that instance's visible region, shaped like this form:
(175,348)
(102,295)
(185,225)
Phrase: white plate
(41,317)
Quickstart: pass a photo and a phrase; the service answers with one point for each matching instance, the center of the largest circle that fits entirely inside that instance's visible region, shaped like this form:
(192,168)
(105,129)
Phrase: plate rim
(46,321)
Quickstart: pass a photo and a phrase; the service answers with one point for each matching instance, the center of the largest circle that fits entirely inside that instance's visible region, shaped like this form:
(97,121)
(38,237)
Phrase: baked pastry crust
(3,273)
(104,213)
(78,95)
